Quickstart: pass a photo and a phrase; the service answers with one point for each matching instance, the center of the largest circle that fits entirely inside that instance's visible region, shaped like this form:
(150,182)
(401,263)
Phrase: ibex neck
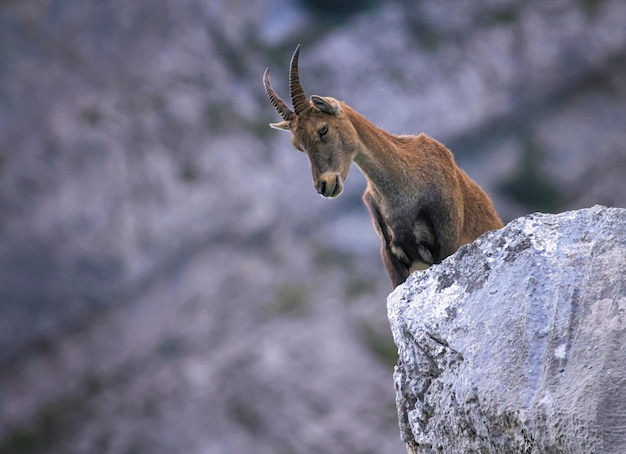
(378,157)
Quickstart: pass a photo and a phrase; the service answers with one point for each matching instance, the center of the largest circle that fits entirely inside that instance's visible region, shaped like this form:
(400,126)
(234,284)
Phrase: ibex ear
(284,125)
(328,105)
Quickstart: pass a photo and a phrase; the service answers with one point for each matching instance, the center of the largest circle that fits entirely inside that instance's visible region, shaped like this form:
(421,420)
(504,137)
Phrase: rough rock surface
(517,342)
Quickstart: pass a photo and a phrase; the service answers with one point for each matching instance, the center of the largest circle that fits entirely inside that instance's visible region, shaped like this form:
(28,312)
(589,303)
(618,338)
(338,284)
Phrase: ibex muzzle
(329,185)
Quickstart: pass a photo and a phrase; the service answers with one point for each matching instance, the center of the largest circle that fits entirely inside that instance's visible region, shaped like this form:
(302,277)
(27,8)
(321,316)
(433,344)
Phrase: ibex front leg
(397,266)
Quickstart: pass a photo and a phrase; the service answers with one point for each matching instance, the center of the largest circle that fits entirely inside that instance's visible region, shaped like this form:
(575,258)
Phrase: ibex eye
(323,130)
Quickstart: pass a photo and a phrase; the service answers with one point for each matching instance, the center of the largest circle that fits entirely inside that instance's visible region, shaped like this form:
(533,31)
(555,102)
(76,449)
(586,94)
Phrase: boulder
(517,342)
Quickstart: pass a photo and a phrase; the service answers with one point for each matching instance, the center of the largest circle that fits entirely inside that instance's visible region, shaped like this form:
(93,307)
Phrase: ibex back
(423,206)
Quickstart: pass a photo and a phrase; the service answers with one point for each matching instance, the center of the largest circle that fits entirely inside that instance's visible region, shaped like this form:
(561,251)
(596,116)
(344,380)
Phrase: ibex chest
(407,236)
(413,245)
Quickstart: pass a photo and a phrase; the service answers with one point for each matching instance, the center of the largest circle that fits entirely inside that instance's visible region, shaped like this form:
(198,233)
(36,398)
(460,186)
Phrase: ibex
(422,205)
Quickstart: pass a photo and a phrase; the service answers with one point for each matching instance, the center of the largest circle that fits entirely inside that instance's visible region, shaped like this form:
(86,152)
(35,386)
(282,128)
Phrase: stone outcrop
(517,342)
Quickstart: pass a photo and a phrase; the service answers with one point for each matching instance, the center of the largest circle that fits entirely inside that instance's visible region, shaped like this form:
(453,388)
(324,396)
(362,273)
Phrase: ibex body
(423,206)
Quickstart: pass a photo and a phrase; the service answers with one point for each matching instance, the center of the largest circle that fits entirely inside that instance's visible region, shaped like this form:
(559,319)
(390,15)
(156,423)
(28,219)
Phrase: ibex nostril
(322,188)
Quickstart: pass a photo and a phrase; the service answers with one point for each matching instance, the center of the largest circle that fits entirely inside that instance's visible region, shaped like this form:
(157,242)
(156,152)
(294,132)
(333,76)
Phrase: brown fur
(423,206)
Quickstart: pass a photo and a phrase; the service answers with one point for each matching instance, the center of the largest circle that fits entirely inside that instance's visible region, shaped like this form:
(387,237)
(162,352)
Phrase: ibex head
(319,128)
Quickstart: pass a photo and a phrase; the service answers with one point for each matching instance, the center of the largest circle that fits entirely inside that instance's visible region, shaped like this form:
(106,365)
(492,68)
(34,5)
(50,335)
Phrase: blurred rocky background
(169,279)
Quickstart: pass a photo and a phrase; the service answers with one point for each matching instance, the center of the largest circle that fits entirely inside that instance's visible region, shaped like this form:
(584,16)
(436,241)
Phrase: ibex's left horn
(298,98)
(285,112)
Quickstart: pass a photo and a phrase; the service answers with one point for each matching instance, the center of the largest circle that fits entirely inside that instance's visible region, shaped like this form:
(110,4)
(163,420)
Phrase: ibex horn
(298,98)
(285,112)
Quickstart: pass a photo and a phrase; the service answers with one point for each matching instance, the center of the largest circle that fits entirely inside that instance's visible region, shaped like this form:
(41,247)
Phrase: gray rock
(516,342)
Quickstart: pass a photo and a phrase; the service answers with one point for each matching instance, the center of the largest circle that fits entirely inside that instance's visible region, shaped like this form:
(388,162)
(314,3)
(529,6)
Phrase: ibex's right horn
(298,98)
(285,112)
